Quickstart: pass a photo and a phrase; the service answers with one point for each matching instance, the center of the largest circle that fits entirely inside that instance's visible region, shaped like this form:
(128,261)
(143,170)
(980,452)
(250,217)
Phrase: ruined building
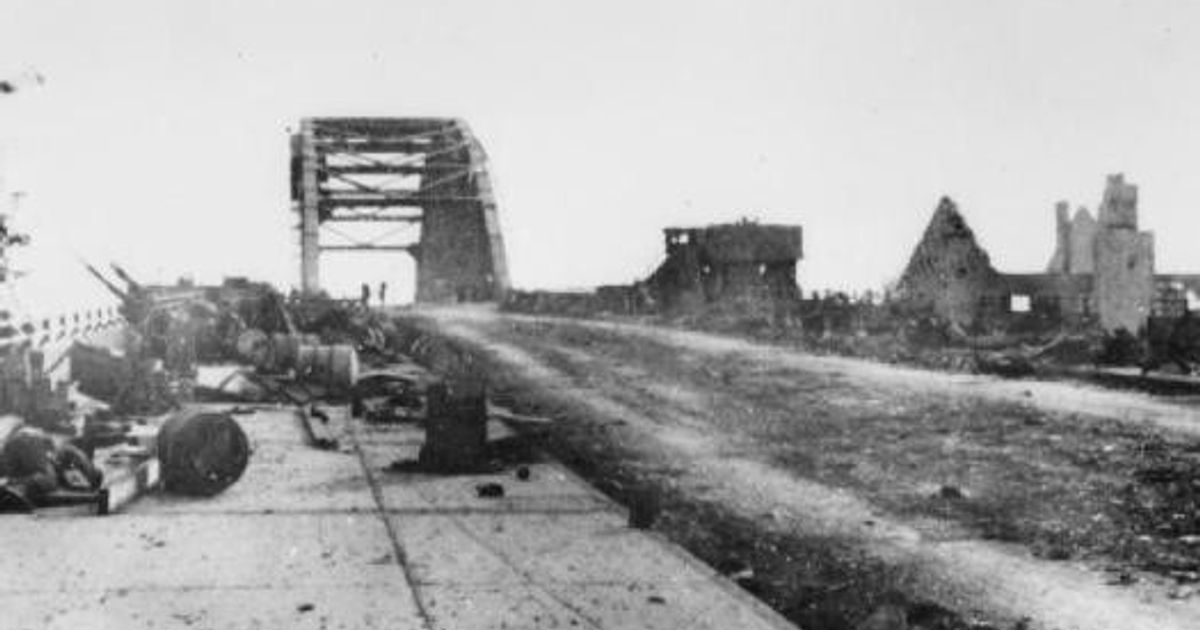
(742,261)
(1111,250)
(1102,270)
(949,272)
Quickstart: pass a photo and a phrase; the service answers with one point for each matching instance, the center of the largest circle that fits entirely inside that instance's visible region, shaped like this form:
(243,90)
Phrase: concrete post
(310,225)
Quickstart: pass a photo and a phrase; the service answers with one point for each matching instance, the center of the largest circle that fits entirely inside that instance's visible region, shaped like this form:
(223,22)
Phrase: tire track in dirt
(1062,397)
(1003,581)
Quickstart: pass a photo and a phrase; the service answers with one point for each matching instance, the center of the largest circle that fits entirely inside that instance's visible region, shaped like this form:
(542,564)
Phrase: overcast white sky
(160,136)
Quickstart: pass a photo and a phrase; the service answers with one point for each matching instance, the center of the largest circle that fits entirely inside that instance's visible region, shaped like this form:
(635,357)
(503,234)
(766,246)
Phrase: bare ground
(832,486)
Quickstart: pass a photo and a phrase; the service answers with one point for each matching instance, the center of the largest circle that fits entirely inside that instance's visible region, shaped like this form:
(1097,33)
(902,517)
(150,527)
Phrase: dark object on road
(1004,364)
(644,508)
(13,502)
(950,492)
(202,453)
(456,428)
(523,473)
(40,471)
(490,490)
(130,384)
(322,432)
(1121,348)
(385,397)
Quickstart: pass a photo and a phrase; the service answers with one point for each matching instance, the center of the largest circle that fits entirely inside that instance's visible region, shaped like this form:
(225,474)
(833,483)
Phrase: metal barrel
(306,360)
(286,349)
(334,366)
(202,452)
(343,365)
(321,362)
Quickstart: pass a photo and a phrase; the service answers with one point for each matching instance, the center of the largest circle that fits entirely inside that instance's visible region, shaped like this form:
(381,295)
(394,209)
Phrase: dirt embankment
(831,488)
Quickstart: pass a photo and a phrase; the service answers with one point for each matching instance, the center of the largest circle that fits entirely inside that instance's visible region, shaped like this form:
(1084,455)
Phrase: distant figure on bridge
(366,295)
(383,293)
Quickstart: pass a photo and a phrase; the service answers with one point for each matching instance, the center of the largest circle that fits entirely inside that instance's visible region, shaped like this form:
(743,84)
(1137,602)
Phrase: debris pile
(455,405)
(40,469)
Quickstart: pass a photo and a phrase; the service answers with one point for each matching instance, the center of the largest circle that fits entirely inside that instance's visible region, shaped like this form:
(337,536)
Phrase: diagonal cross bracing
(426,171)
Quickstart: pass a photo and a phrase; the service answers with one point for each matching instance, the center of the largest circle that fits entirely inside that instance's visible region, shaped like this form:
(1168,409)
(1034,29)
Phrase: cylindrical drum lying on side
(286,350)
(343,365)
(333,366)
(202,452)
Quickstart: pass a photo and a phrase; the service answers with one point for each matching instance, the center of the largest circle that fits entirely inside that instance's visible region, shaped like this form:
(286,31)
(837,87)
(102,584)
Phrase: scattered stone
(736,569)
(1185,577)
(1181,592)
(643,510)
(523,473)
(742,575)
(656,599)
(1123,578)
(305,607)
(926,615)
(950,492)
(1052,550)
(490,490)
(889,616)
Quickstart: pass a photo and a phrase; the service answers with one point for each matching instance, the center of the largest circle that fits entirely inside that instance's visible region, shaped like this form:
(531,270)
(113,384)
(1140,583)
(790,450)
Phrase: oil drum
(286,349)
(202,452)
(343,366)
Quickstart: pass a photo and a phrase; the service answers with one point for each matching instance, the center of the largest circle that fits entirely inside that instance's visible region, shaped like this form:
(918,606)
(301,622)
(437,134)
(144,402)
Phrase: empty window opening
(1193,301)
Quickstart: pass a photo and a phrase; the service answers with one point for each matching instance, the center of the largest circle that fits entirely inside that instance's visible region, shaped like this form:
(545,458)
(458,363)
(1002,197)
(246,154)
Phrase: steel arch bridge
(390,173)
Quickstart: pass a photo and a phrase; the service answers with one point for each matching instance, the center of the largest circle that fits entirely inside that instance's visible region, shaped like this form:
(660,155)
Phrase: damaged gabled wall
(1102,268)
(949,272)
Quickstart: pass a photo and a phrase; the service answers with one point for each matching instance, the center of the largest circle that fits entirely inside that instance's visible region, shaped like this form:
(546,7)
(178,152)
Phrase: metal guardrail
(65,326)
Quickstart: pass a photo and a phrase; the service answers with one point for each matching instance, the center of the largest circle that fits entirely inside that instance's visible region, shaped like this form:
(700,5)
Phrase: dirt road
(1002,501)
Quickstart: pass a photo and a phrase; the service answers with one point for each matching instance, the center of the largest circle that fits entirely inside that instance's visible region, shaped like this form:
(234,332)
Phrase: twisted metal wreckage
(138,418)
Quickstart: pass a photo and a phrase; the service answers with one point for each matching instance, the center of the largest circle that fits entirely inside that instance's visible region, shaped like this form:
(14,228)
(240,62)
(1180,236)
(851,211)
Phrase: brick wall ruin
(948,272)
(1102,268)
(743,261)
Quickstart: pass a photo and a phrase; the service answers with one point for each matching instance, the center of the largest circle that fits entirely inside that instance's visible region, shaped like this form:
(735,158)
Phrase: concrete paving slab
(441,552)
(280,478)
(503,549)
(574,548)
(188,551)
(494,608)
(352,607)
(301,541)
(549,488)
(655,606)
